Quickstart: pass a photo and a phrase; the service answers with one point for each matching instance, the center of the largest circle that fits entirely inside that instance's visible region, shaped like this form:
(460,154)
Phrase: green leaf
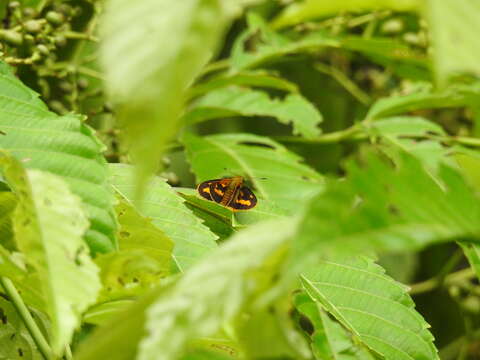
(386,209)
(255,79)
(61,145)
(8,202)
(288,182)
(15,340)
(215,290)
(329,340)
(143,259)
(270,46)
(294,109)
(102,313)
(414,135)
(423,97)
(49,224)
(375,308)
(181,36)
(167,212)
(206,355)
(310,9)
(453,25)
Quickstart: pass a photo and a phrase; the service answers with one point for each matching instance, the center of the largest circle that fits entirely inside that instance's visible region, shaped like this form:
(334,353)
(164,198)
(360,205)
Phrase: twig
(433,283)
(27,318)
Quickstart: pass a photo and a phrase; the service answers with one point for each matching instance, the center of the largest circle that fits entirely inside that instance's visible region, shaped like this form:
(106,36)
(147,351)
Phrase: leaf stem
(27,318)
(433,283)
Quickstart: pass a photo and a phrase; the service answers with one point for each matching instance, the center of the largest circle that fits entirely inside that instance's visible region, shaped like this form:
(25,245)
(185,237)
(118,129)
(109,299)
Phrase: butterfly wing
(244,200)
(204,189)
(218,189)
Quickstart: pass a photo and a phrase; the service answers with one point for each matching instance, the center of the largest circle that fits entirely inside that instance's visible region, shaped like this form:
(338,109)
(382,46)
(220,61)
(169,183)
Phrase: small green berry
(12,37)
(60,40)
(43,49)
(55,18)
(33,26)
(13,4)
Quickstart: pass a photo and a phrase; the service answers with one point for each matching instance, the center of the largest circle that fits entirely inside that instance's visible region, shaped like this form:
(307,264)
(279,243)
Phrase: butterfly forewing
(229,192)
(204,189)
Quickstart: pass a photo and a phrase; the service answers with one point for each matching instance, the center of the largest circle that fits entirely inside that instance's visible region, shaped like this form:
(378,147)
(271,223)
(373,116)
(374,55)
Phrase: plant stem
(349,134)
(433,283)
(27,318)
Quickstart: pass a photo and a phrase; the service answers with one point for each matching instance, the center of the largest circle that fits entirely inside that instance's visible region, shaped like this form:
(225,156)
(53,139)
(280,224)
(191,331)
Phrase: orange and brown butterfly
(229,192)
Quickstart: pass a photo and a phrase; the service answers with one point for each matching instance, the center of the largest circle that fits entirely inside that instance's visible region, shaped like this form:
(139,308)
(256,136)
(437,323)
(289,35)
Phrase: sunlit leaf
(103,313)
(61,145)
(167,211)
(144,256)
(49,224)
(374,307)
(453,25)
(293,109)
(215,290)
(181,36)
(287,182)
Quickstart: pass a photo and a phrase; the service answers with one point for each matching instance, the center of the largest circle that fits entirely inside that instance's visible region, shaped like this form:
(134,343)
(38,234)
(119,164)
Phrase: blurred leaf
(167,212)
(8,202)
(375,308)
(15,340)
(212,292)
(294,109)
(103,313)
(425,98)
(49,224)
(62,145)
(181,36)
(206,355)
(255,79)
(215,290)
(329,340)
(414,135)
(453,25)
(386,209)
(310,9)
(143,259)
(288,182)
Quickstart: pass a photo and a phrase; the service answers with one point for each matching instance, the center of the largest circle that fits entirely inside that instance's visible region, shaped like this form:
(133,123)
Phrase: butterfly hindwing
(244,200)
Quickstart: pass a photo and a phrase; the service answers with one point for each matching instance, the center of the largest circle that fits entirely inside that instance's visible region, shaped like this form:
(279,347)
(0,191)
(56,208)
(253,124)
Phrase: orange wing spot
(244,202)
(207,190)
(219,192)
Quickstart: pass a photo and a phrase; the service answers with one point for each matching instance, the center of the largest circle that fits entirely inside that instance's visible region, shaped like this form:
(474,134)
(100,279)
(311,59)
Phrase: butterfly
(229,192)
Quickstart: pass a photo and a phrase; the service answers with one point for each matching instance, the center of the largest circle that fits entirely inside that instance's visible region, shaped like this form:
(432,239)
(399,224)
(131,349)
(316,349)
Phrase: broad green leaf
(215,290)
(310,9)
(385,209)
(453,26)
(150,63)
(329,340)
(206,355)
(425,98)
(144,256)
(371,305)
(49,224)
(294,109)
(167,211)
(255,79)
(15,340)
(288,182)
(61,145)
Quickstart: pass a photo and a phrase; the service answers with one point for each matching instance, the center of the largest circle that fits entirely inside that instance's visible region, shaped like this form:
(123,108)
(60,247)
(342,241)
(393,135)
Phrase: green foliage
(372,306)
(254,157)
(167,212)
(236,101)
(62,145)
(49,224)
(355,123)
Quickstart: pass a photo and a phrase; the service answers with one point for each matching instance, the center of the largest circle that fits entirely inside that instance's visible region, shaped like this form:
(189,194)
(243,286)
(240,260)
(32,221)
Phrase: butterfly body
(229,192)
